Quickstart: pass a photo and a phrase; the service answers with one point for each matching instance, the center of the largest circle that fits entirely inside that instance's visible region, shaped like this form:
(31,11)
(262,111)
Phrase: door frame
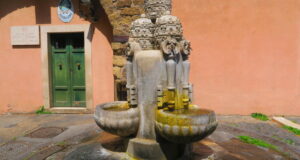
(45,54)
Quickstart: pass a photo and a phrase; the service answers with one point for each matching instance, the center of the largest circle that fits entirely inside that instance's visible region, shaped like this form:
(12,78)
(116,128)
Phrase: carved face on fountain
(132,46)
(170,47)
(185,47)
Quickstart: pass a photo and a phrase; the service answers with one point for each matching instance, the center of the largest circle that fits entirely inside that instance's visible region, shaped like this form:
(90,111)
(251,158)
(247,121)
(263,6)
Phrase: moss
(292,129)
(120,107)
(260,116)
(176,98)
(257,142)
(42,110)
(61,144)
(287,141)
(172,119)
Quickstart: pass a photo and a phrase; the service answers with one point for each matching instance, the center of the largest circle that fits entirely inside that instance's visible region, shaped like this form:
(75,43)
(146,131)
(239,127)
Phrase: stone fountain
(159,112)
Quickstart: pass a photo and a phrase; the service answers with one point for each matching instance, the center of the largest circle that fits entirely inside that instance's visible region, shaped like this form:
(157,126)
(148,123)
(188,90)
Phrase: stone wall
(120,14)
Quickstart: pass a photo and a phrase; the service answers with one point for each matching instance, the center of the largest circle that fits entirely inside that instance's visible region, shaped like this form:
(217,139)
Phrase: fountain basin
(185,125)
(117,118)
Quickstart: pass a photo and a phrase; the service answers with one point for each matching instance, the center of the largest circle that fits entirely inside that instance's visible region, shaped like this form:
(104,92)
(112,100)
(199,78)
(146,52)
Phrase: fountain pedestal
(148,66)
(139,148)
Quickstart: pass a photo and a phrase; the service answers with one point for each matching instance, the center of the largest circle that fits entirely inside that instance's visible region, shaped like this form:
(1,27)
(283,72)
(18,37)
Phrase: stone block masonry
(120,14)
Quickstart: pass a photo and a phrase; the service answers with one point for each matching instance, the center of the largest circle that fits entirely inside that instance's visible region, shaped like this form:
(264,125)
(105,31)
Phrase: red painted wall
(245,54)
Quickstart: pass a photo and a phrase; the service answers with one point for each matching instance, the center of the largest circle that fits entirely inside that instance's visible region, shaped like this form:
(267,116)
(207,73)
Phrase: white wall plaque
(25,35)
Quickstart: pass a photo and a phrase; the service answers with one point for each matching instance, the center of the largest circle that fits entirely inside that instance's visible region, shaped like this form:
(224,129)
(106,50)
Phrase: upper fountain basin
(185,125)
(117,118)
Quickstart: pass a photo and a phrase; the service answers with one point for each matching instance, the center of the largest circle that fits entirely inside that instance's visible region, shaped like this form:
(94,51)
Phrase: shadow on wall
(43,13)
(103,24)
(42,9)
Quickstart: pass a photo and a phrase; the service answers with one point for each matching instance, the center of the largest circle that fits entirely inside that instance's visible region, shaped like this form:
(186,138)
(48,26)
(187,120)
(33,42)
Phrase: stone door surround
(45,31)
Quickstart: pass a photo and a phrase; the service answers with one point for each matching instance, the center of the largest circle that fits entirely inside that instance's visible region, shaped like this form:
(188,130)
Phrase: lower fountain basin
(186,125)
(117,118)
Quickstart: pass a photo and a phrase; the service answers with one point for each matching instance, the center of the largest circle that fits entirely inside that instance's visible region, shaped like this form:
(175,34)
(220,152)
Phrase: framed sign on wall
(25,35)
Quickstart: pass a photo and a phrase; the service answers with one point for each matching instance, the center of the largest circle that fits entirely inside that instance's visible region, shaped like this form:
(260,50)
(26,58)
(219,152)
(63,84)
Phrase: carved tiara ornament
(157,8)
(142,32)
(168,26)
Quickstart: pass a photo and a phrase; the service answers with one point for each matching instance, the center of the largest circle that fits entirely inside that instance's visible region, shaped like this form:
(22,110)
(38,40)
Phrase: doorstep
(70,110)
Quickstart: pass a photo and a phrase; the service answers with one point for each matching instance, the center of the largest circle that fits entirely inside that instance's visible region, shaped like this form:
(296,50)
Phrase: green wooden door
(68,70)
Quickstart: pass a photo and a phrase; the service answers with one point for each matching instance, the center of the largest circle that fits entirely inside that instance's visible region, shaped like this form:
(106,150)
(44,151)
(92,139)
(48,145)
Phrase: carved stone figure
(131,49)
(171,50)
(141,38)
(185,49)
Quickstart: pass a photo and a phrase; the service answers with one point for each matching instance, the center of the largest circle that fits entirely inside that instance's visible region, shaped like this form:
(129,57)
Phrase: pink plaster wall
(245,54)
(20,67)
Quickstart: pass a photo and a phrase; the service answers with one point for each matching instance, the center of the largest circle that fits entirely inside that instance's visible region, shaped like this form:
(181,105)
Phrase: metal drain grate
(46,132)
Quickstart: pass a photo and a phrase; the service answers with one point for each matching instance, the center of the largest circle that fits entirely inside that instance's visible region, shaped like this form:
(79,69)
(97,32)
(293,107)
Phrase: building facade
(68,55)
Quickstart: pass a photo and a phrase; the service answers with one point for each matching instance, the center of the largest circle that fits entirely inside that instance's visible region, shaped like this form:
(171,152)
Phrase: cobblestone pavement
(51,137)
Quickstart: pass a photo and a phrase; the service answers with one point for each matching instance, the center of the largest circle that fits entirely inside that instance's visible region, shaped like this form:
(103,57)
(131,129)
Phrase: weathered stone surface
(117,72)
(121,13)
(106,3)
(198,124)
(117,118)
(131,11)
(157,8)
(115,16)
(119,61)
(123,3)
(93,152)
(145,149)
(138,2)
(121,31)
(116,46)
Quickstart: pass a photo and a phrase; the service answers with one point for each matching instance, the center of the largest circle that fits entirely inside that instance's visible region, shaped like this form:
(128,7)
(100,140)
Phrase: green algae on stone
(292,129)
(42,110)
(260,116)
(257,142)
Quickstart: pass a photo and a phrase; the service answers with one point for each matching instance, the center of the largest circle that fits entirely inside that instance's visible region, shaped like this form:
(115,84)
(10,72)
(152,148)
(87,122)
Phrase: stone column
(149,68)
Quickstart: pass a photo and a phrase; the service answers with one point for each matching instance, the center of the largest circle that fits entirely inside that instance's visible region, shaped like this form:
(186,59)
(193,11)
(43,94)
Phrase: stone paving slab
(81,130)
(286,122)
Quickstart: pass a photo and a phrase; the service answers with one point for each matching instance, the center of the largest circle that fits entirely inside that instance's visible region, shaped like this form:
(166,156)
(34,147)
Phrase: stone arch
(120,14)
